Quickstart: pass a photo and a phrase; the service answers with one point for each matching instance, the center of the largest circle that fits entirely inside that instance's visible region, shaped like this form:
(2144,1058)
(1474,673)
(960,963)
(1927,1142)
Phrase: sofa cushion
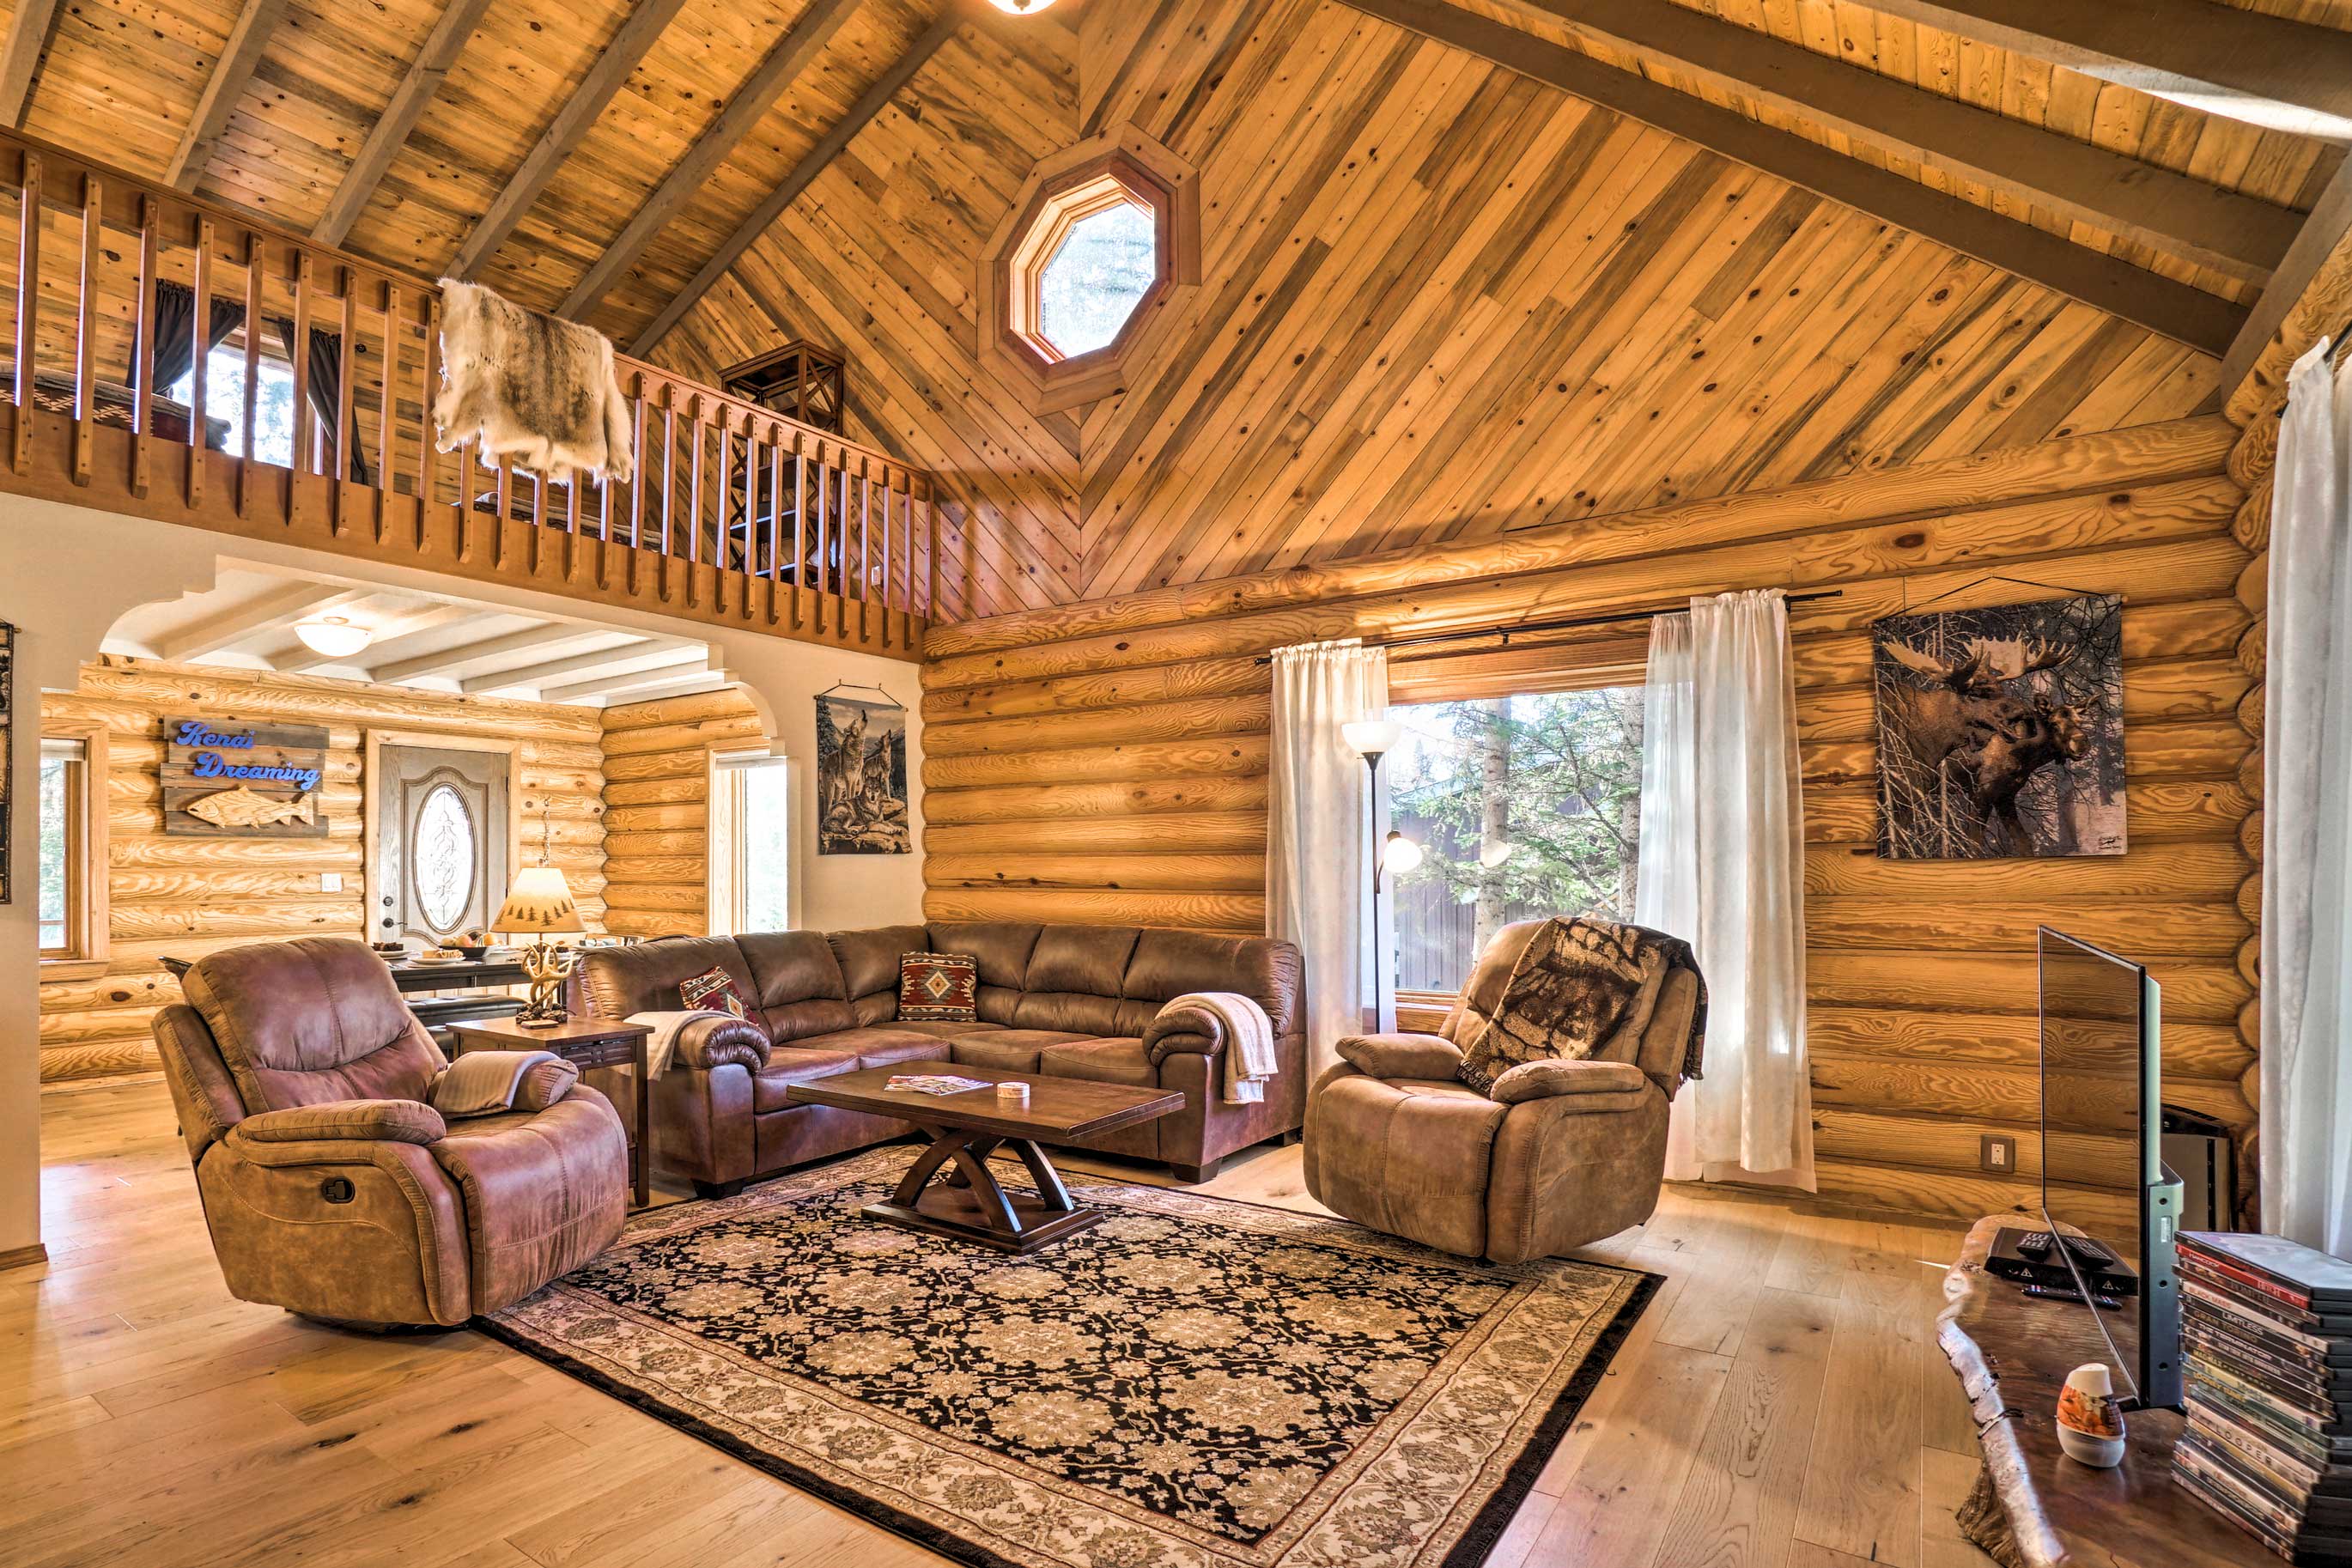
(1101,1061)
(938,987)
(1088,960)
(1072,1012)
(880,1047)
(713,990)
(796,985)
(643,978)
(1000,948)
(1011,1050)
(869,968)
(790,1065)
(1168,964)
(941,1030)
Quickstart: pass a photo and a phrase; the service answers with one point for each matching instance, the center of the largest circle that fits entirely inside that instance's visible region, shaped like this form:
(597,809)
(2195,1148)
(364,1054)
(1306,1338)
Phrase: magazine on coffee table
(935,1083)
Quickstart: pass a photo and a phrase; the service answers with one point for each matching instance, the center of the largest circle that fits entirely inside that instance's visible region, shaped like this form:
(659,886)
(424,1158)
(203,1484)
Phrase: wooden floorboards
(1781,1405)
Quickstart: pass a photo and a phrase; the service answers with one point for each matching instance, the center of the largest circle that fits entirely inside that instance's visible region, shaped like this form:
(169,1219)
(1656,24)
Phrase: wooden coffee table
(965,1129)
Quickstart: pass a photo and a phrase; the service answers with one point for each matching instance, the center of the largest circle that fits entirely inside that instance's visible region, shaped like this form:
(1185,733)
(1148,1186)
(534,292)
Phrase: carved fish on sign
(242,807)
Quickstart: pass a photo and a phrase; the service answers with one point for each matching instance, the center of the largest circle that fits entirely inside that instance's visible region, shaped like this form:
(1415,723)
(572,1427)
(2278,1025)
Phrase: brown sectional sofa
(1070,1001)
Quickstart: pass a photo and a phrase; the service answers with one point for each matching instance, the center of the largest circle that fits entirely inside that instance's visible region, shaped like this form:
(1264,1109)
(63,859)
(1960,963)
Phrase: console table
(2031,1506)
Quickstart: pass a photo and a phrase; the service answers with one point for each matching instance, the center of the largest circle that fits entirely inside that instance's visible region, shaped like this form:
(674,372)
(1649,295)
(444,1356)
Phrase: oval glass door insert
(442,857)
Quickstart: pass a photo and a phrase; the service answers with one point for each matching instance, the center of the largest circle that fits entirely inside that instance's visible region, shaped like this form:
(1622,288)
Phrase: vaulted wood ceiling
(1471,265)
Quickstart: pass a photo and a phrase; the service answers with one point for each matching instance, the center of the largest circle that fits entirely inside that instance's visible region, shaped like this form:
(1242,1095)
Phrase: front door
(441,842)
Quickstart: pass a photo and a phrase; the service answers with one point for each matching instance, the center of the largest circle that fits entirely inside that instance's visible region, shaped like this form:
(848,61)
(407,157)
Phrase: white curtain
(1721,866)
(2307,1046)
(1318,877)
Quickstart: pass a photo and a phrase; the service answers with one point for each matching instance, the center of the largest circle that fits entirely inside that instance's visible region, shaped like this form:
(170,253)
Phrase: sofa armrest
(345,1120)
(1594,1086)
(1194,1030)
(721,1041)
(1402,1056)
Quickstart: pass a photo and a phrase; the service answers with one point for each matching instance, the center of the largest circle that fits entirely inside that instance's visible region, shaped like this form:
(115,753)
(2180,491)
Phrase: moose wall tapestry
(861,778)
(2001,730)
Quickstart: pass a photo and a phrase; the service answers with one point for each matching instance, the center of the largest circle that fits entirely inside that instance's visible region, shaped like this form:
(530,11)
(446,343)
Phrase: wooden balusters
(142,348)
(254,270)
(200,367)
(387,382)
(299,353)
(345,426)
(800,529)
(428,448)
(93,199)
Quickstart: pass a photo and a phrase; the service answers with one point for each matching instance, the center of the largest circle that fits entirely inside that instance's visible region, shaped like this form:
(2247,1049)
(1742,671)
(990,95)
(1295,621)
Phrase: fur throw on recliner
(533,389)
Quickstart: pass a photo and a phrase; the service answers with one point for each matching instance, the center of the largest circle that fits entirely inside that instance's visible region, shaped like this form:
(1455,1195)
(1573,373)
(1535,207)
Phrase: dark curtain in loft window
(326,384)
(174,316)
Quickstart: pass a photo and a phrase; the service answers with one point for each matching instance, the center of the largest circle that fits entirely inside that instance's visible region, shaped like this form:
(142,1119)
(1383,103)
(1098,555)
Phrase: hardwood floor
(1782,1402)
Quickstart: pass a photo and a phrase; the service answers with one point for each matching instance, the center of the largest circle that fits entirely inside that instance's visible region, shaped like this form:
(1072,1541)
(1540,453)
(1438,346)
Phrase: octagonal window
(1097,275)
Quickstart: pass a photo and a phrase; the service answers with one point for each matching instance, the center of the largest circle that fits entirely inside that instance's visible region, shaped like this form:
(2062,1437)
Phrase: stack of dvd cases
(2266,1344)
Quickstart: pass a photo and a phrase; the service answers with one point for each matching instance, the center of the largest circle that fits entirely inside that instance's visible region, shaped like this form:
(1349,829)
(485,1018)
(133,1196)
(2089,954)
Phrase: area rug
(1193,1382)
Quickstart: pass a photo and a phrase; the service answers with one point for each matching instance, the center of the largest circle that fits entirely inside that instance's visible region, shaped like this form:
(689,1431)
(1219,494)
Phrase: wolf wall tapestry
(861,778)
(2001,730)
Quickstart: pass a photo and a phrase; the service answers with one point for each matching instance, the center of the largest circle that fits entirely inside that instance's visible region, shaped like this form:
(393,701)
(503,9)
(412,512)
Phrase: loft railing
(734,513)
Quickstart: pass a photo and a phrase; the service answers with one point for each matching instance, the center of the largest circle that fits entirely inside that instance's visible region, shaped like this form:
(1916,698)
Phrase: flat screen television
(2102,1172)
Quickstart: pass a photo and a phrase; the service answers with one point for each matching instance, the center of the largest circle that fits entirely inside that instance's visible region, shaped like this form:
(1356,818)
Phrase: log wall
(656,783)
(189,896)
(1108,761)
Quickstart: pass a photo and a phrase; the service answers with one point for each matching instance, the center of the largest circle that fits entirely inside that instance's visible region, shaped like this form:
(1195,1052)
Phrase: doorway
(441,829)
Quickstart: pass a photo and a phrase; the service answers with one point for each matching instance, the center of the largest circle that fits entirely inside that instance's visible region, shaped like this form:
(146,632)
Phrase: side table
(584,1042)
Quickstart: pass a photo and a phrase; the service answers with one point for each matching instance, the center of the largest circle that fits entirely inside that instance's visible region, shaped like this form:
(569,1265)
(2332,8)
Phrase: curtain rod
(1531,628)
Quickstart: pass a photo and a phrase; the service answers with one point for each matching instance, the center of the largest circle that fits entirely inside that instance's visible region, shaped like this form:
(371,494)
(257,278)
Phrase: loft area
(1126,781)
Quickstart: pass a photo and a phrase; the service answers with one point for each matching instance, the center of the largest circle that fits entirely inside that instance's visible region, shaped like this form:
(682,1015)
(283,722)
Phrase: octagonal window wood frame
(1117,165)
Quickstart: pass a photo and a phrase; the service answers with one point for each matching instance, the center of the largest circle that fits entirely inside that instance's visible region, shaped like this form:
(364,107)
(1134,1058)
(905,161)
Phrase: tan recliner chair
(1565,1153)
(330,1188)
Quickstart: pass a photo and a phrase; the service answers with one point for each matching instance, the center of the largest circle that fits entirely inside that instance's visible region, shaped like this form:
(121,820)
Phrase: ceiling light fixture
(1022,7)
(332,636)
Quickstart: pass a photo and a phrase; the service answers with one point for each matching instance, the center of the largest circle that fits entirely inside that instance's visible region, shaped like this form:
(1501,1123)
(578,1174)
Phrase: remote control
(2060,1293)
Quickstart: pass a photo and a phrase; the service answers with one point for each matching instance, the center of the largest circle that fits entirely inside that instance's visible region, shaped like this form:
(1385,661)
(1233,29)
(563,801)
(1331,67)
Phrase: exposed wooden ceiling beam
(617,683)
(625,655)
(2264,70)
(385,140)
(767,82)
(449,659)
(2203,322)
(20,56)
(2328,228)
(2189,218)
(271,612)
(869,104)
(239,55)
(596,90)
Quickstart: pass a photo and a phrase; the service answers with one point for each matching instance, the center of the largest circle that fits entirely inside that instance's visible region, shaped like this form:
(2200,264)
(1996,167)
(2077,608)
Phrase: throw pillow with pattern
(939,987)
(713,990)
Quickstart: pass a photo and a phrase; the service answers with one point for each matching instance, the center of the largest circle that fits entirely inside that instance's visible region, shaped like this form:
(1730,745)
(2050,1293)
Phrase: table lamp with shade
(539,901)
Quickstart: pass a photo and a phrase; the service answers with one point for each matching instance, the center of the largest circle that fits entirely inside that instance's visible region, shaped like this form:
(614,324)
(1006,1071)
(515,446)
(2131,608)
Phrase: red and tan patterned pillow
(713,990)
(939,987)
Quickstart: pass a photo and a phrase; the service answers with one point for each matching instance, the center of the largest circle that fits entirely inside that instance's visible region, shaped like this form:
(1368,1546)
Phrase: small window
(1105,265)
(751,844)
(73,901)
(1525,807)
(273,405)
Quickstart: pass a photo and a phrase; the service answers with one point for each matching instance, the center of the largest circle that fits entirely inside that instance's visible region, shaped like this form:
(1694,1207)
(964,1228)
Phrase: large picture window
(1525,807)
(750,843)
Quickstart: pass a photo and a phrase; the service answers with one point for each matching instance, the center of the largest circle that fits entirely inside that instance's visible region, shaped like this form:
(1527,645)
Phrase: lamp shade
(332,636)
(1399,855)
(1372,737)
(538,901)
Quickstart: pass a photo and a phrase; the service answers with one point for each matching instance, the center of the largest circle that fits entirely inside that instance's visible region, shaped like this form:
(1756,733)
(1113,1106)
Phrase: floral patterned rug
(1194,1382)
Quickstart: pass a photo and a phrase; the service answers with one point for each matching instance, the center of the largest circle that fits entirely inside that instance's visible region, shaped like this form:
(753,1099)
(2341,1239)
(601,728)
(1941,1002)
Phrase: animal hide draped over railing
(538,393)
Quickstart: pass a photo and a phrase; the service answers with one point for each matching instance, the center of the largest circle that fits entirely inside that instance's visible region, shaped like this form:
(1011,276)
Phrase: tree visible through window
(1095,277)
(751,845)
(1526,807)
(273,407)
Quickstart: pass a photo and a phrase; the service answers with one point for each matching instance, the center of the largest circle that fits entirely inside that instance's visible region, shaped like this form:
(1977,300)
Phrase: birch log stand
(2031,1506)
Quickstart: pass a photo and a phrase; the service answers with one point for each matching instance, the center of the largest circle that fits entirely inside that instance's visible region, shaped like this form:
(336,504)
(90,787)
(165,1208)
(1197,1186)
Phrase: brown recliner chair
(1564,1152)
(330,1188)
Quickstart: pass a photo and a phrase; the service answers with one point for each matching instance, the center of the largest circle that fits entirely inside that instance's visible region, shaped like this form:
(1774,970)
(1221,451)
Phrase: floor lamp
(1374,739)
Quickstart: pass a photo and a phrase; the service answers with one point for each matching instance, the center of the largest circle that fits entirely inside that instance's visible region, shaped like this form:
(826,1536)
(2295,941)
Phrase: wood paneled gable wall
(1446,302)
(1109,760)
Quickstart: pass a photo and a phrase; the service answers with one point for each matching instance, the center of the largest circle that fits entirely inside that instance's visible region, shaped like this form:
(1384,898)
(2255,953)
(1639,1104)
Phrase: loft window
(1100,237)
(273,404)
(1104,263)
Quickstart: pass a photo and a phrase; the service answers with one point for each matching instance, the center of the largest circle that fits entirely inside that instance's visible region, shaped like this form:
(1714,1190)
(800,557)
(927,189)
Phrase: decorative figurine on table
(2090,1422)
(540,902)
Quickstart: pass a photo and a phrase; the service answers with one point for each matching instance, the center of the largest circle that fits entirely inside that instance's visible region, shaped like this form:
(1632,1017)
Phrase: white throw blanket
(1249,1041)
(665,1028)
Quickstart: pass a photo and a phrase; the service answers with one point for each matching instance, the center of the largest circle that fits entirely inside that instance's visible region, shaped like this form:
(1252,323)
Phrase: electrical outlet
(330,881)
(1997,1152)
